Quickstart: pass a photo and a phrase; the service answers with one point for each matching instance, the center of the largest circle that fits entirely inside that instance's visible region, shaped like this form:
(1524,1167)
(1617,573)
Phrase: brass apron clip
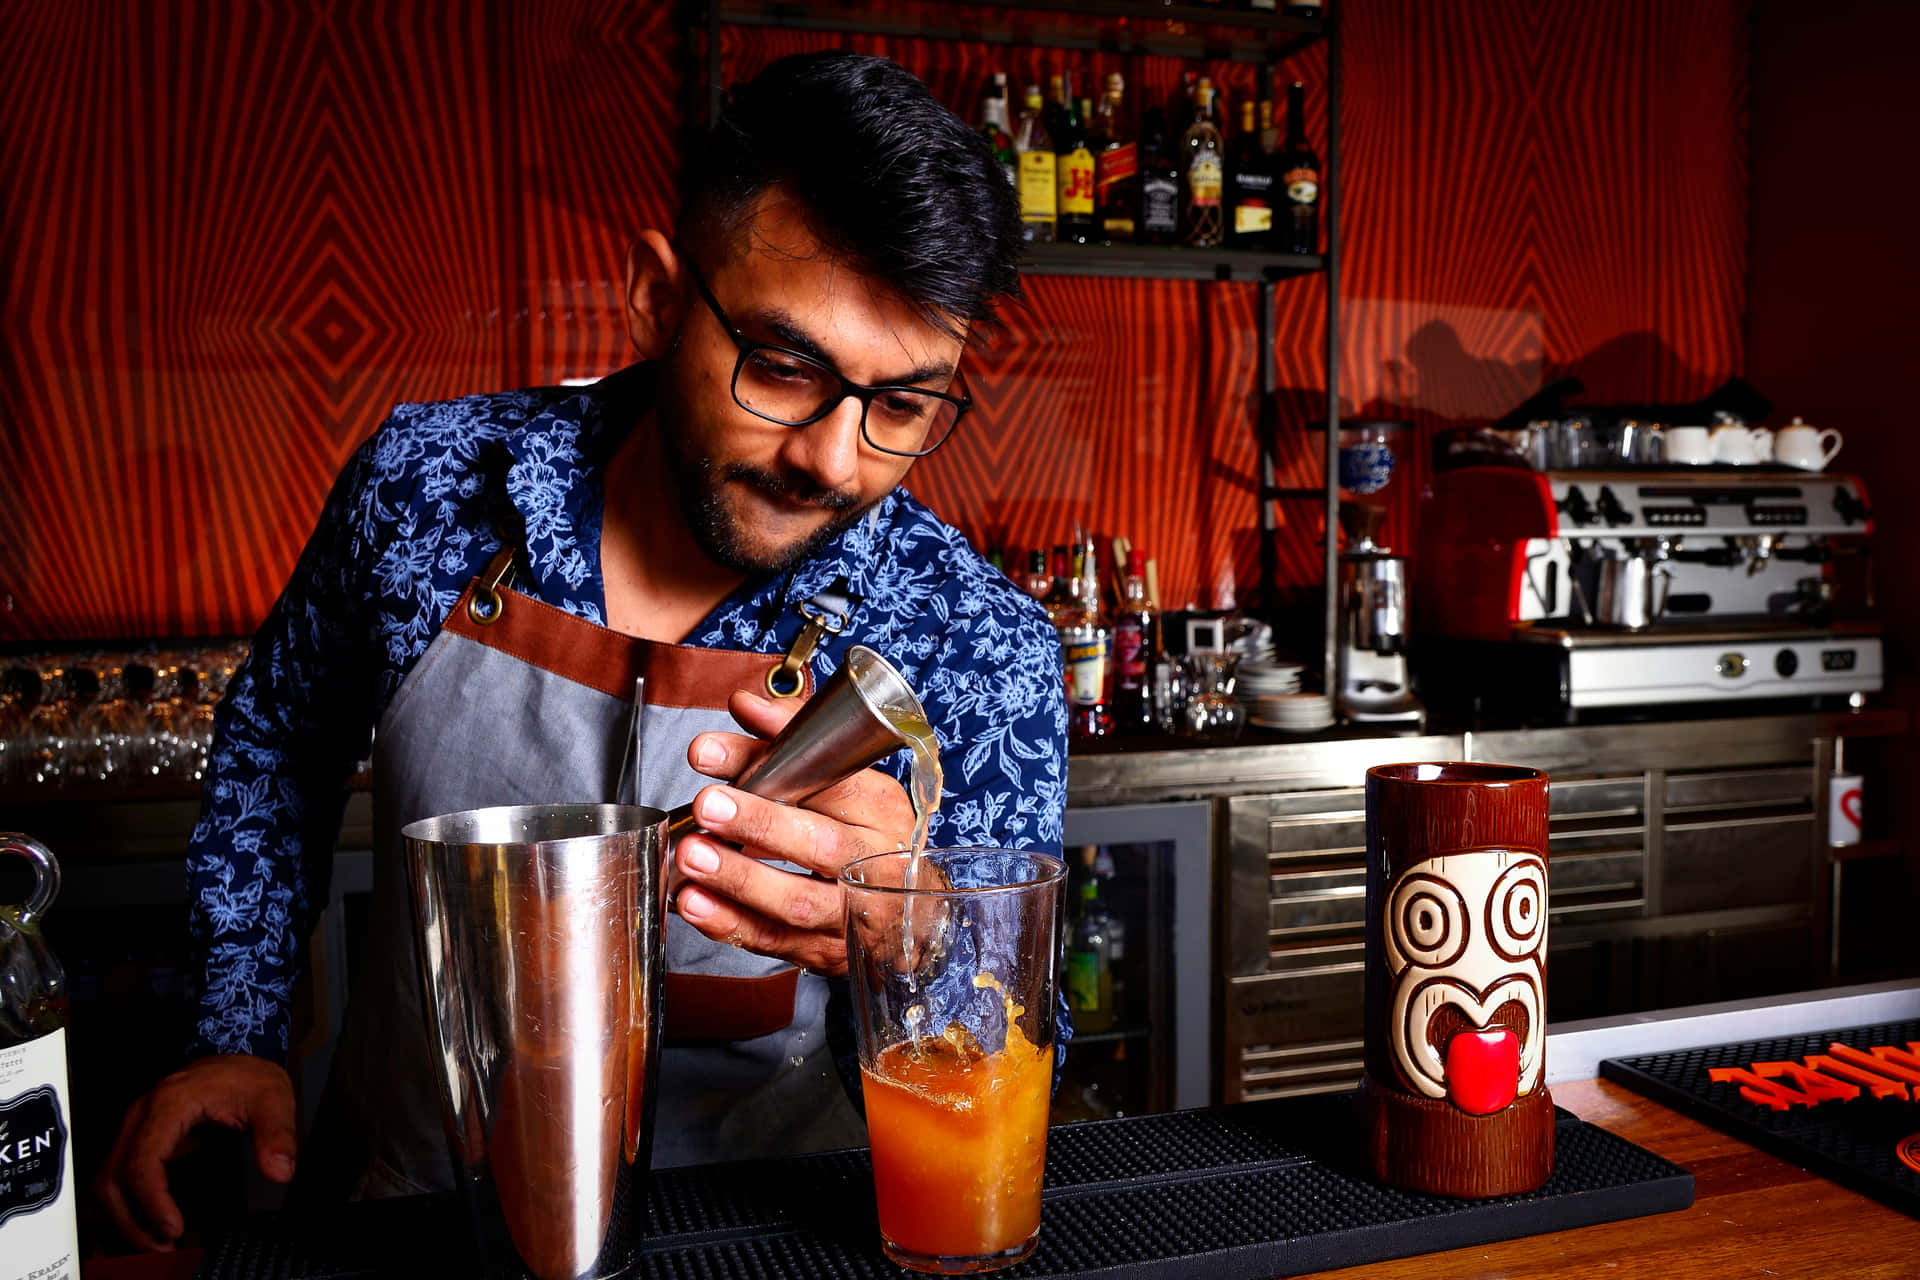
(486,603)
(826,615)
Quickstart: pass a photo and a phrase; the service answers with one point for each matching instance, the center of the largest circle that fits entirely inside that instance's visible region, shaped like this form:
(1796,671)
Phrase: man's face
(758,496)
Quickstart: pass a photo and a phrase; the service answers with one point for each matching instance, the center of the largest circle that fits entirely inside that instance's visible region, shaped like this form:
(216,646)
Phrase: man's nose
(829,450)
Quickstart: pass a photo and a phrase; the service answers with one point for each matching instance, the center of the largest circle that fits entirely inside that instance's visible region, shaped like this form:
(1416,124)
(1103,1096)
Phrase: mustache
(794,485)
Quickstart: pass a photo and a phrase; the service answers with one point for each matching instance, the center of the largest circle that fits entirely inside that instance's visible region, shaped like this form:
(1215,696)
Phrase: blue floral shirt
(416,514)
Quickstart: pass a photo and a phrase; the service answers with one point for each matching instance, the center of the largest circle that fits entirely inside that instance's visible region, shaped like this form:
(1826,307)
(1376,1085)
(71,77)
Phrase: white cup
(1687,446)
(1809,448)
(1738,445)
(1762,445)
(1843,808)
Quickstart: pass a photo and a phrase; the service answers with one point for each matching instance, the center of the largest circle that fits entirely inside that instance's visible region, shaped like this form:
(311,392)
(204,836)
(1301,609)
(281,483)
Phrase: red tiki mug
(1454,1099)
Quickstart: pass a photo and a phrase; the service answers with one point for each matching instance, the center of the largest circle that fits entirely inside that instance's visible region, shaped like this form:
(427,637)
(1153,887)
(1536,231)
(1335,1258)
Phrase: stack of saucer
(1293,712)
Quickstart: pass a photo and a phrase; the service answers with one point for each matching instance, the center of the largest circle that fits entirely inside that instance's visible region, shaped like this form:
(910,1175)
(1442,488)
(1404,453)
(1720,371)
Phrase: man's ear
(656,295)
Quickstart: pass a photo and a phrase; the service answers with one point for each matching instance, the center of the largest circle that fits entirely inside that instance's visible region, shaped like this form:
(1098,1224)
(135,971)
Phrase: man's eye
(778,367)
(903,409)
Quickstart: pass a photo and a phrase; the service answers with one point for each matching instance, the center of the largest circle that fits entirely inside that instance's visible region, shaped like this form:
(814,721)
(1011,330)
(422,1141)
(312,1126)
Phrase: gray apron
(533,705)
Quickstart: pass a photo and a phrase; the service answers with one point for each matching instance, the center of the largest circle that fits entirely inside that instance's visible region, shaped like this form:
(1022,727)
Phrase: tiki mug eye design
(1430,922)
(1517,911)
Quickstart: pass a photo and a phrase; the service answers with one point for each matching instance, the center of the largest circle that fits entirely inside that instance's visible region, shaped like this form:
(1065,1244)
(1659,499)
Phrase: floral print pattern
(416,513)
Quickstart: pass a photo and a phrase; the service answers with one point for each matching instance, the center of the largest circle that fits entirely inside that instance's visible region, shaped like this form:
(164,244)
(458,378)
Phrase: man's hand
(734,895)
(235,1090)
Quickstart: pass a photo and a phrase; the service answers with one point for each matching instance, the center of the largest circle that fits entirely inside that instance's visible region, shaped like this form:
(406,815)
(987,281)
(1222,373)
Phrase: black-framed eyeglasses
(795,390)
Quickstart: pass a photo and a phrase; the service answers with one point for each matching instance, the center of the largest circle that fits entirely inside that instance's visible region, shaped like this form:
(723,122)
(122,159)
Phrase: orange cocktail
(952,959)
(959,1145)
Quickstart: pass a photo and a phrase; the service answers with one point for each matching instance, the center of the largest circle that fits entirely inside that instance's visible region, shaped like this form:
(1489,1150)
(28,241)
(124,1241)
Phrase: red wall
(237,235)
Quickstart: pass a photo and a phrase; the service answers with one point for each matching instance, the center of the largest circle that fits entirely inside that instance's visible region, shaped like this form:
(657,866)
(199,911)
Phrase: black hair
(889,177)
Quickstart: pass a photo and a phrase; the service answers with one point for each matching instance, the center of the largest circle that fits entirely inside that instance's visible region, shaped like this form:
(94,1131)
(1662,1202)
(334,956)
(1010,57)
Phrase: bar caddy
(1571,591)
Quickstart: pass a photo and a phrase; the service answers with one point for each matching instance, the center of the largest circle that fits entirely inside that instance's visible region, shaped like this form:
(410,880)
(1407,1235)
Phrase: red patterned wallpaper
(237,235)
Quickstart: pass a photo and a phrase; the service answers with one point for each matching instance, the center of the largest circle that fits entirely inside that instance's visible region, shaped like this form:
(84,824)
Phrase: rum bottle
(1059,592)
(1300,172)
(1251,179)
(39,1235)
(1085,649)
(1203,161)
(997,128)
(1039,193)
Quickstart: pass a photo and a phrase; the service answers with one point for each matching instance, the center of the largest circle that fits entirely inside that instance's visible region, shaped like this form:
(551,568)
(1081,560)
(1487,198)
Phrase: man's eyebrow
(790,334)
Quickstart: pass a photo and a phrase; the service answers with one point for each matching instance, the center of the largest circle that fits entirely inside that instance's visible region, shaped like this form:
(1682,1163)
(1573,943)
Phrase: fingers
(729,922)
(275,1139)
(727,755)
(799,902)
(133,1183)
(779,832)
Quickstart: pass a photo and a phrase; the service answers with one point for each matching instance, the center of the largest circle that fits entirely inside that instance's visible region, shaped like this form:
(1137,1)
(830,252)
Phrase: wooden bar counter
(1753,1215)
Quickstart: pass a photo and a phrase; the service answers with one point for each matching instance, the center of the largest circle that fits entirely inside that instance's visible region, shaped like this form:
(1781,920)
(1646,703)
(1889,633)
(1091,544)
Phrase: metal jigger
(854,721)
(540,934)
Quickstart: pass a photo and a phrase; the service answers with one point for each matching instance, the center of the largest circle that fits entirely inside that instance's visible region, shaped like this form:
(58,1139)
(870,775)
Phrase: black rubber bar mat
(1851,1113)
(1256,1190)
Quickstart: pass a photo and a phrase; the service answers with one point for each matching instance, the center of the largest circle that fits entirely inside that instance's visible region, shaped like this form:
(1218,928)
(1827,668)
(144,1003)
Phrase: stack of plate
(1267,679)
(1293,712)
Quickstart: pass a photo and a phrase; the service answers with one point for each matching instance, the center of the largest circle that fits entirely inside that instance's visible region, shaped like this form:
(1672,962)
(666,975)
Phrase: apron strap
(826,615)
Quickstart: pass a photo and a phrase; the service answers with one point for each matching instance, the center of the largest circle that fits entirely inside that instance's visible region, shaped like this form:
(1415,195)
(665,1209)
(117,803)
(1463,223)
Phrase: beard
(700,484)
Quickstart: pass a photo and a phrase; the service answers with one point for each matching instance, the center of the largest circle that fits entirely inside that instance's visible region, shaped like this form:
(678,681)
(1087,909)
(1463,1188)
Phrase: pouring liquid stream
(925,782)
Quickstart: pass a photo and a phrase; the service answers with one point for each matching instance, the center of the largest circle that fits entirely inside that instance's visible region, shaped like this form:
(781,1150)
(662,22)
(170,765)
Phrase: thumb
(275,1140)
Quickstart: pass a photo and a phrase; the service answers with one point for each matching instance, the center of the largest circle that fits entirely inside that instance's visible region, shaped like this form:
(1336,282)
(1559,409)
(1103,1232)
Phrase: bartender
(723,518)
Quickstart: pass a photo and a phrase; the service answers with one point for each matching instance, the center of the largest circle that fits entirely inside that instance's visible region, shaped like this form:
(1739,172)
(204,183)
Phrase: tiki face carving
(1466,941)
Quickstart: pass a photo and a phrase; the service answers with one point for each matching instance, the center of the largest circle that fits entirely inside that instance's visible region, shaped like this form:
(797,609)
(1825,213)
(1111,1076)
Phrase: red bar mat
(1256,1190)
(1856,1142)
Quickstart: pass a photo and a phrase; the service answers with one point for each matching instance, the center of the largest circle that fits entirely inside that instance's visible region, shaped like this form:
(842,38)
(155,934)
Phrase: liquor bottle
(1054,115)
(1074,170)
(39,1234)
(1133,652)
(1089,960)
(997,128)
(1203,163)
(1085,646)
(1116,167)
(1159,184)
(1299,230)
(1039,194)
(1269,134)
(1251,184)
(1037,581)
(1305,8)
(1059,591)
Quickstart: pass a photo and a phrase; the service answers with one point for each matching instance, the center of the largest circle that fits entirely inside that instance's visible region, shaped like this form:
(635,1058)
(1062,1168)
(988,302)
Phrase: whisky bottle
(1116,167)
(1300,174)
(1203,161)
(39,1235)
(1074,158)
(1133,637)
(1039,196)
(1159,221)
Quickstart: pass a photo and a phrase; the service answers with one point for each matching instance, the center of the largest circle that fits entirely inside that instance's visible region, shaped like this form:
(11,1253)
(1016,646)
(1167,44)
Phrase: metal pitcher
(539,931)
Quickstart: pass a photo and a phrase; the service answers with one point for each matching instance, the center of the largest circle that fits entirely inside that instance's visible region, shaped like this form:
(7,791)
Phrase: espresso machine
(1375,683)
(1569,590)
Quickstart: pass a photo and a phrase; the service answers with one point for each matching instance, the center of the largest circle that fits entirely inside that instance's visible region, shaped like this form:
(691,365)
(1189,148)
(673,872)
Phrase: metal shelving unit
(1137,27)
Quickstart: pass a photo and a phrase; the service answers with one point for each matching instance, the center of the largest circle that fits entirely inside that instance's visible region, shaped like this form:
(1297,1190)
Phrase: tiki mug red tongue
(1483,1070)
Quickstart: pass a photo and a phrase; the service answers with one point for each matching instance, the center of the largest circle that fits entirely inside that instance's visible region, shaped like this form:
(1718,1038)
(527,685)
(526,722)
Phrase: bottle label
(1086,662)
(1252,218)
(1076,183)
(1303,186)
(1037,195)
(1160,204)
(1129,655)
(1115,163)
(38,1231)
(1203,182)
(1083,980)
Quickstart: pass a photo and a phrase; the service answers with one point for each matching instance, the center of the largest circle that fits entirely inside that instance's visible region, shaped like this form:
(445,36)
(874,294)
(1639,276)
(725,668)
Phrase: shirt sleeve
(295,719)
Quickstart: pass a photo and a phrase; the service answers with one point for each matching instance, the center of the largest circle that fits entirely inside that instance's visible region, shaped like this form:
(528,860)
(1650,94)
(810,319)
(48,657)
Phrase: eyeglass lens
(787,387)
